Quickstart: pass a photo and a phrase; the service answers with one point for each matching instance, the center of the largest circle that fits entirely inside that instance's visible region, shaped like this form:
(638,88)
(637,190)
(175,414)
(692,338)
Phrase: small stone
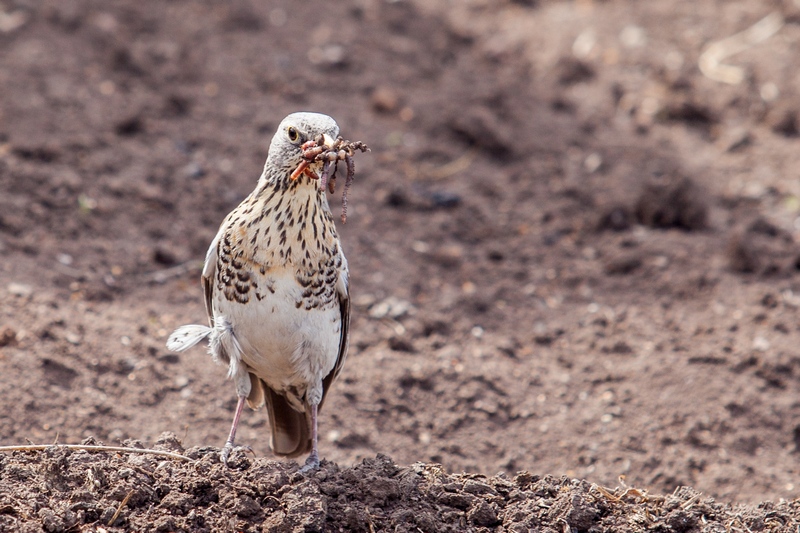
(7,336)
(449,255)
(194,170)
(64,259)
(633,36)
(19,289)
(168,441)
(330,55)
(164,256)
(593,162)
(786,123)
(364,300)
(400,344)
(384,100)
(477,488)
(391,307)
(247,507)
(12,21)
(623,264)
(482,514)
(761,344)
(50,522)
(736,139)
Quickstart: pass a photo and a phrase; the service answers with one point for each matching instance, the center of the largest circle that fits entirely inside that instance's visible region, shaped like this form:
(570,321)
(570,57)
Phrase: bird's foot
(312,463)
(229,448)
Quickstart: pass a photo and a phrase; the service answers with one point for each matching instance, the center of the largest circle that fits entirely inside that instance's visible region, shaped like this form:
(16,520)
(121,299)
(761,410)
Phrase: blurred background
(573,246)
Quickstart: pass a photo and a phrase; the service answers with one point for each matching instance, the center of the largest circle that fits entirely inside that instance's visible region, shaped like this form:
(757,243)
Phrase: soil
(574,262)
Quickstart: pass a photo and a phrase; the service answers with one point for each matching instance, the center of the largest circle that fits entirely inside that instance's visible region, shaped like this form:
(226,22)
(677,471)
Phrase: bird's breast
(275,236)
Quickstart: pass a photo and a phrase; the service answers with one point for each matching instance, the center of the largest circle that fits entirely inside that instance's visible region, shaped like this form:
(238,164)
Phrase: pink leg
(312,463)
(226,450)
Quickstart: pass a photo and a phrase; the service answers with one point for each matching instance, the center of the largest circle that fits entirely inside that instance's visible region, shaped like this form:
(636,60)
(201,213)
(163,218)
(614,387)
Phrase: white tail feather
(185,337)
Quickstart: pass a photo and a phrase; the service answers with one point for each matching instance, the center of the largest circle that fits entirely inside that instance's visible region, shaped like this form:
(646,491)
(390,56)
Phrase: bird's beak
(327,141)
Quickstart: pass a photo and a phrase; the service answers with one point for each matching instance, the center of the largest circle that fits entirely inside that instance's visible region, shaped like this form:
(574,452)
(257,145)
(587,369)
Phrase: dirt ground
(573,255)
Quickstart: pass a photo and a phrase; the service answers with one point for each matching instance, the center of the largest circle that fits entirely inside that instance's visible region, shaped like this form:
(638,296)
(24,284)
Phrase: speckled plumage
(277,296)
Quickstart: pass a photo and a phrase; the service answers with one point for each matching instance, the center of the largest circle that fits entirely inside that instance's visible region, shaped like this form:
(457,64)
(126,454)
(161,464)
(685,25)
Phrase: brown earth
(572,254)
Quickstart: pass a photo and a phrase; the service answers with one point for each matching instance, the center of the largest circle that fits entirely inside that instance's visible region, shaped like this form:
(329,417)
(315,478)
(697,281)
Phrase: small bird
(277,292)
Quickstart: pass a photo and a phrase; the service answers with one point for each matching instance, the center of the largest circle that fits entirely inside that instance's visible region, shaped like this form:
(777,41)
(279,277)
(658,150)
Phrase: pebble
(392,307)
(633,36)
(19,289)
(12,21)
(194,170)
(330,55)
(761,344)
(384,100)
(7,336)
(449,255)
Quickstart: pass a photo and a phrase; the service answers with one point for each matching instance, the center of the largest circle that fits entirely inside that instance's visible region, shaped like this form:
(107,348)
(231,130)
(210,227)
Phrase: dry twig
(92,448)
(122,504)
(711,59)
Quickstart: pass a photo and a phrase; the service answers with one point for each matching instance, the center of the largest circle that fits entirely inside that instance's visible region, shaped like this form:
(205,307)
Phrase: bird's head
(286,152)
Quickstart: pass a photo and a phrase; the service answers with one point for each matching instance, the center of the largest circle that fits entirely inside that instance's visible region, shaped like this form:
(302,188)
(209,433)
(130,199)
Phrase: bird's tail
(291,430)
(185,337)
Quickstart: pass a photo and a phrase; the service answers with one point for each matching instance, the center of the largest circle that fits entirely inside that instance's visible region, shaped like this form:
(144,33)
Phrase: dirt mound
(571,251)
(59,490)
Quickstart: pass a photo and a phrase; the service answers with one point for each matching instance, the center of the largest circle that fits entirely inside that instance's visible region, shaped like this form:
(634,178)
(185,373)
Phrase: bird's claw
(312,463)
(229,448)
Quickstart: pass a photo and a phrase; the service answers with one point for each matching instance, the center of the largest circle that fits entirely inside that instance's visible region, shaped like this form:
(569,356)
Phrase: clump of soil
(60,490)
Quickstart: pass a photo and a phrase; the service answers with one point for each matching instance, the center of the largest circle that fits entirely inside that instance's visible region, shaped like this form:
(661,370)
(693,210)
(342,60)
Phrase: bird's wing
(343,291)
(209,273)
(218,350)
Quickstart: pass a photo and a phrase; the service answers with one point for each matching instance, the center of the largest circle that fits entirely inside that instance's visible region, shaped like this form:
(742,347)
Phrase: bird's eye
(293,133)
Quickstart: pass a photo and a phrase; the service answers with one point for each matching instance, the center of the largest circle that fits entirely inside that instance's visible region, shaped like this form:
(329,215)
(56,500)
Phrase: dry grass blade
(629,491)
(92,448)
(608,494)
(711,59)
(456,166)
(688,504)
(164,275)
(119,509)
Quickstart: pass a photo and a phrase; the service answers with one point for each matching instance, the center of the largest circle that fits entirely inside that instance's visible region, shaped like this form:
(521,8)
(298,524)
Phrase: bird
(277,295)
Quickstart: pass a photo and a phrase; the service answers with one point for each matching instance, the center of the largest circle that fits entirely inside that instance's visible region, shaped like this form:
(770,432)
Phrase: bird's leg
(226,450)
(312,463)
